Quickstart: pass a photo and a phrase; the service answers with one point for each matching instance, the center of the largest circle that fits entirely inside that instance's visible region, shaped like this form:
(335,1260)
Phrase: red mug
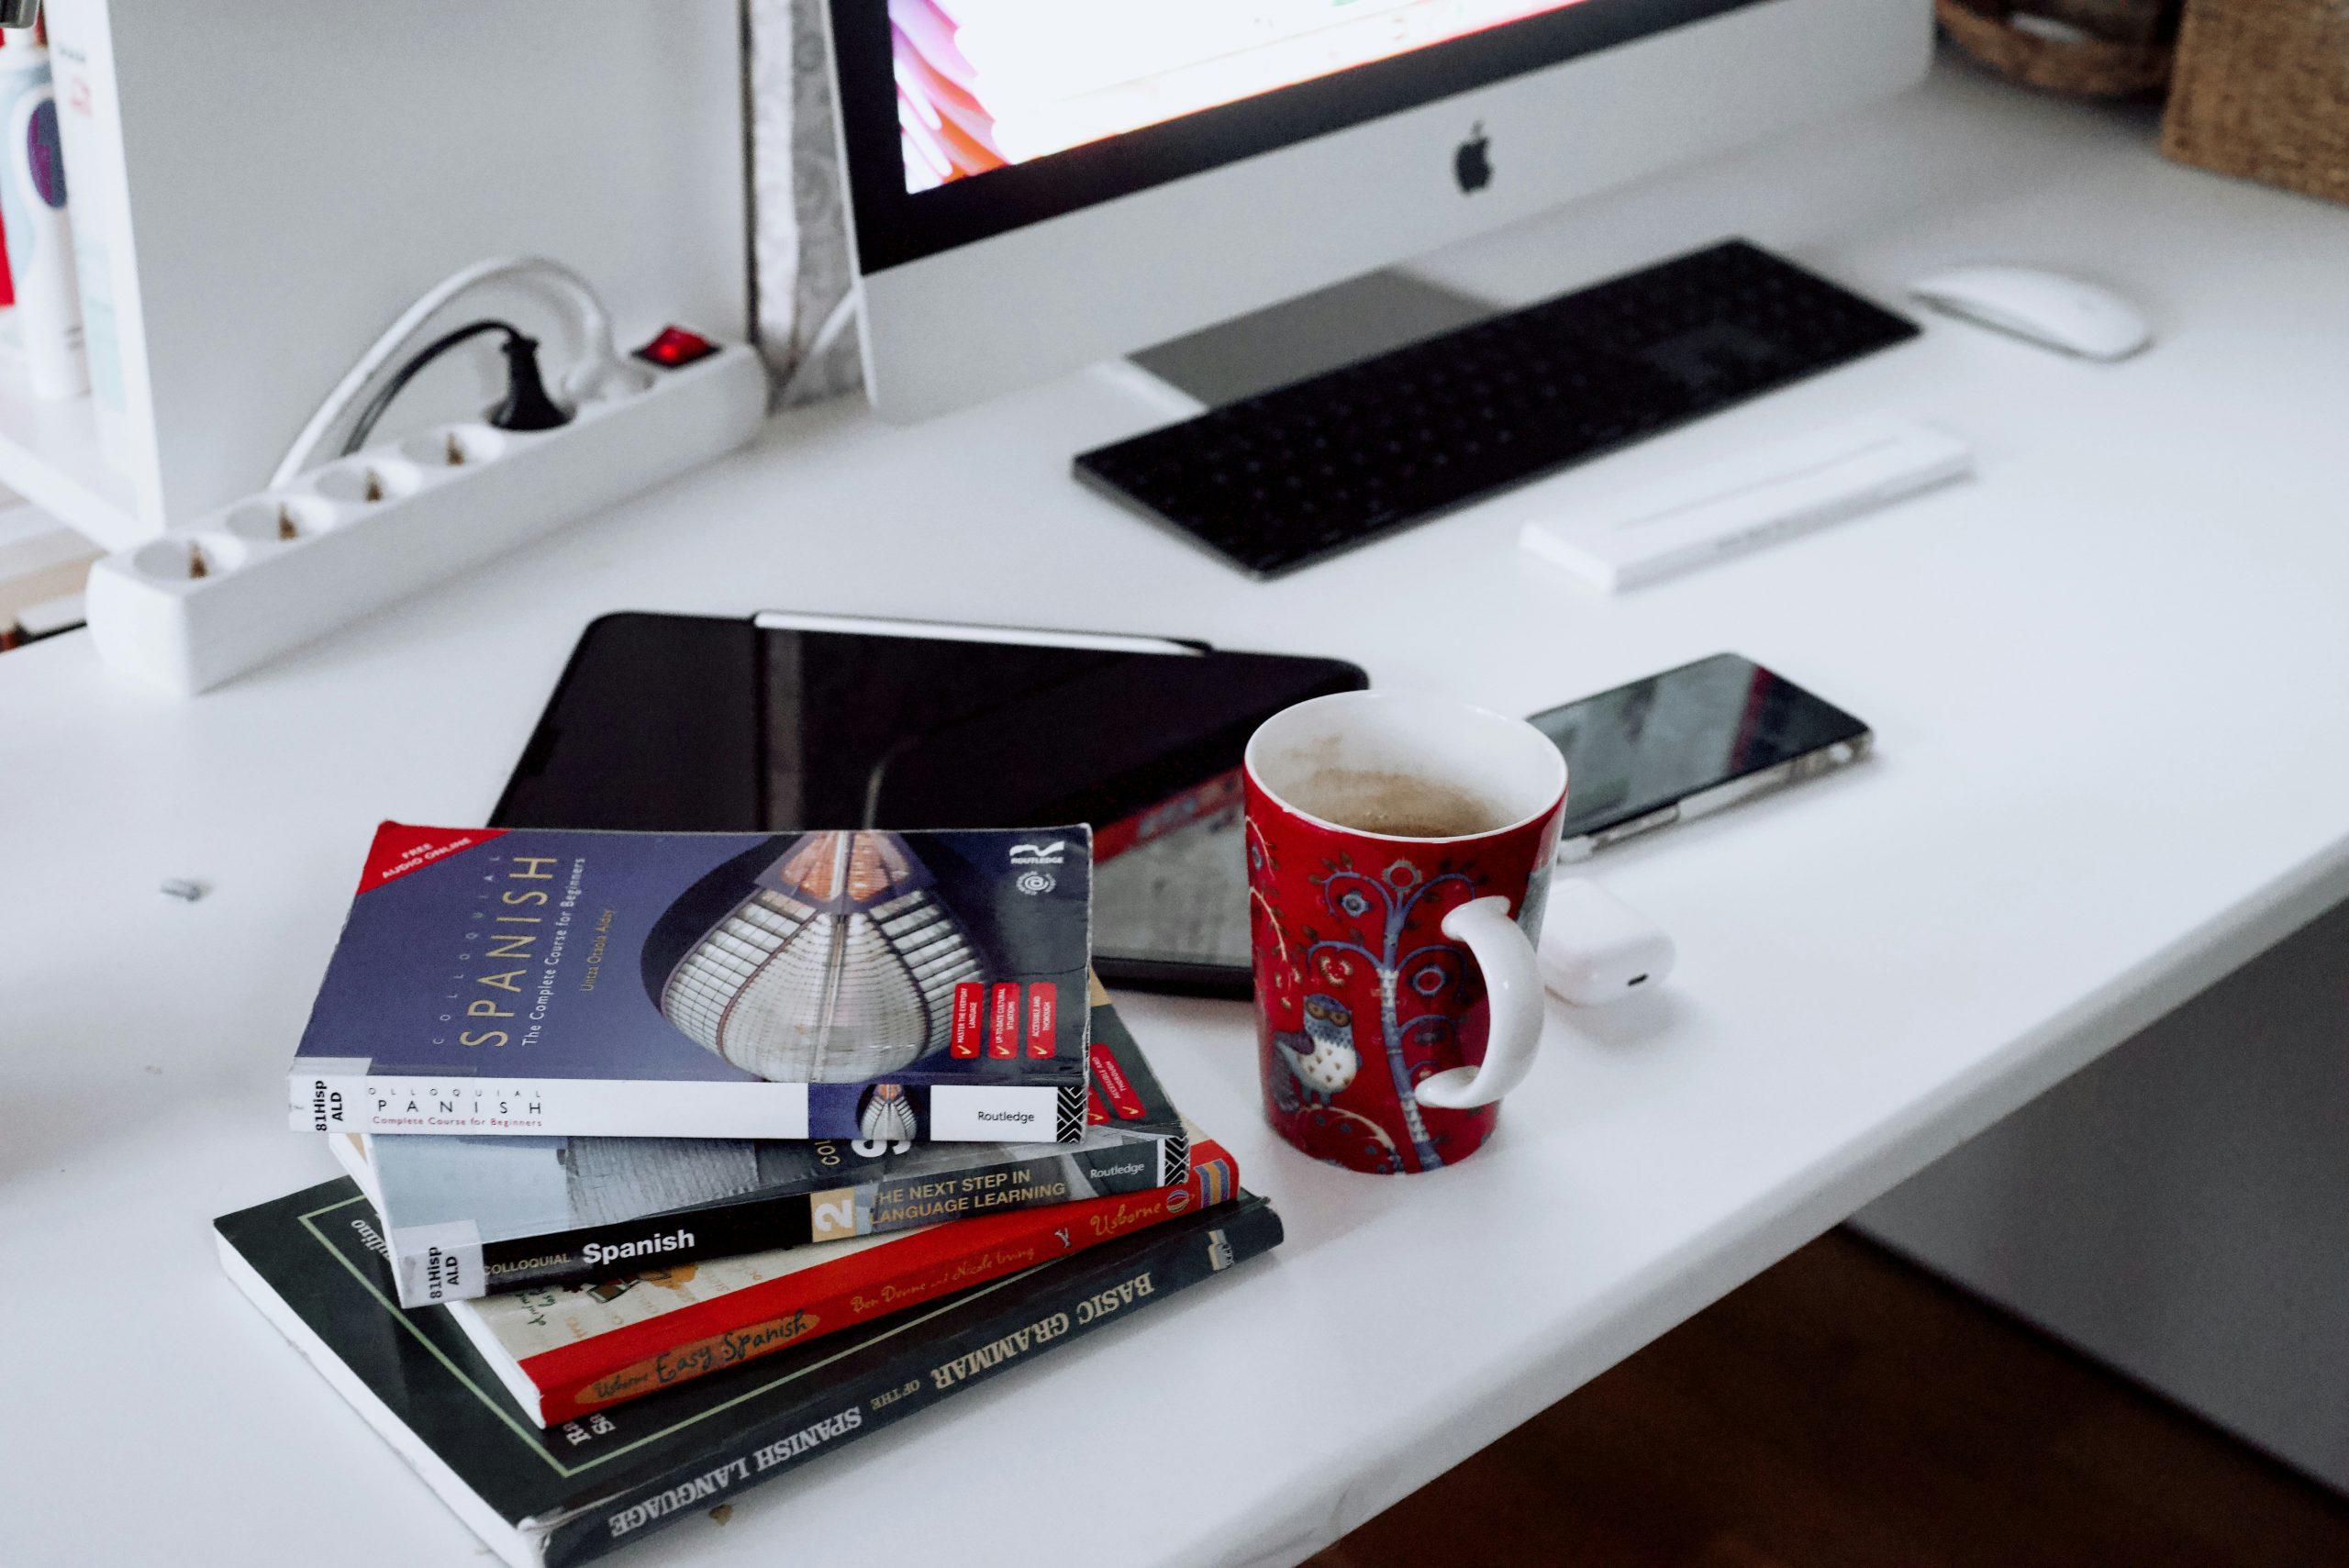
(1398,859)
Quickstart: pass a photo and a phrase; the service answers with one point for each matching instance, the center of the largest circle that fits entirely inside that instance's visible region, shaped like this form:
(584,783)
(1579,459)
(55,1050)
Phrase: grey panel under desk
(2179,1208)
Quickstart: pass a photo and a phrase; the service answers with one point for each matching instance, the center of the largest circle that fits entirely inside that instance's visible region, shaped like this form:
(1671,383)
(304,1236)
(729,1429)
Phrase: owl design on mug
(1323,1056)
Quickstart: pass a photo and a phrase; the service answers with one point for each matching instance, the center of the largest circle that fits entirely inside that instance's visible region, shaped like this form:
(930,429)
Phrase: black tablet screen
(684,722)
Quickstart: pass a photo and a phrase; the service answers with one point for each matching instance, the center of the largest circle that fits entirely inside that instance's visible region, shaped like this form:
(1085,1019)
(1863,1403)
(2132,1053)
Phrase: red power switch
(675,348)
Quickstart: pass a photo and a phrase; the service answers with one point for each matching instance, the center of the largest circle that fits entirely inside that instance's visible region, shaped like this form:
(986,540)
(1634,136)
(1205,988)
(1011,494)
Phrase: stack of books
(676,1160)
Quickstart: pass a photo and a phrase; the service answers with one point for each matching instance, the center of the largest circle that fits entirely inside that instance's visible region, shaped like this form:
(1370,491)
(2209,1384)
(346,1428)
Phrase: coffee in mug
(1398,804)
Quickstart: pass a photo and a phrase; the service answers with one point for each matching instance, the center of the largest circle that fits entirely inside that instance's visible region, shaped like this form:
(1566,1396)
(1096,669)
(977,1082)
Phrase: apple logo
(1470,165)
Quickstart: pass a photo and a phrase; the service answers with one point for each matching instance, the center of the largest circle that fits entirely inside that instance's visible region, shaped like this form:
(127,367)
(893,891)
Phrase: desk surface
(2112,692)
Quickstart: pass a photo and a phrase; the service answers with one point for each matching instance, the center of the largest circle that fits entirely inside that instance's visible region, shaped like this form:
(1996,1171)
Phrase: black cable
(526,405)
(377,405)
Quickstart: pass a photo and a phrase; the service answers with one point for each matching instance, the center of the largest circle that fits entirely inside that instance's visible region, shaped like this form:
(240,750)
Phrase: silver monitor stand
(1308,335)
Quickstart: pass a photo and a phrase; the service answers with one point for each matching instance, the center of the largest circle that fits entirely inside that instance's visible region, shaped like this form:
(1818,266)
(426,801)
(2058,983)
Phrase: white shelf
(49,455)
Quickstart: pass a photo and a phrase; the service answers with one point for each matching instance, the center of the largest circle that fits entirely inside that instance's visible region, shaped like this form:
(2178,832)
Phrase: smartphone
(1687,743)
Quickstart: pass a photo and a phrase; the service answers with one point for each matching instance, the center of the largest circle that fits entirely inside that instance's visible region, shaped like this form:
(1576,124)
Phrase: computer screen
(963,120)
(1036,184)
(986,83)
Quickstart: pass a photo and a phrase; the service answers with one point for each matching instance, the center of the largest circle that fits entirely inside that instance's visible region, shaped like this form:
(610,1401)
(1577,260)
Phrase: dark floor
(1846,1408)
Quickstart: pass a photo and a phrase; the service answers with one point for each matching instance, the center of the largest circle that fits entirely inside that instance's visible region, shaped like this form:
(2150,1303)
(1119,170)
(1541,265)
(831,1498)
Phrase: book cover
(312,1262)
(464,1217)
(912,988)
(569,1351)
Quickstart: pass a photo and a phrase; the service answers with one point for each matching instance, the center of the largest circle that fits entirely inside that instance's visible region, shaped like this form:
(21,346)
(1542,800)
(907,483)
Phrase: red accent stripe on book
(1044,1017)
(969,1018)
(1111,1080)
(1002,1028)
(909,1271)
(400,849)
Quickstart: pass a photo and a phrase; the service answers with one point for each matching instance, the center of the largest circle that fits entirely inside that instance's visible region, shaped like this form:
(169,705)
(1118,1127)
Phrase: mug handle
(1514,989)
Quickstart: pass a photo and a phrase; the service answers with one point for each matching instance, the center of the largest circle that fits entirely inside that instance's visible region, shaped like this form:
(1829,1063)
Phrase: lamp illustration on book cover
(832,964)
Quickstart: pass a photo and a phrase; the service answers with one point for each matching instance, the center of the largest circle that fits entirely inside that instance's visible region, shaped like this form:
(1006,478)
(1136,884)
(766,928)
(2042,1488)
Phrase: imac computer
(1037,184)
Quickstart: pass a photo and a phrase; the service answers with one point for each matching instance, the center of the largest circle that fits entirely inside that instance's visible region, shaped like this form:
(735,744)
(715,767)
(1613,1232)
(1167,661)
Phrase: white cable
(597,365)
(837,322)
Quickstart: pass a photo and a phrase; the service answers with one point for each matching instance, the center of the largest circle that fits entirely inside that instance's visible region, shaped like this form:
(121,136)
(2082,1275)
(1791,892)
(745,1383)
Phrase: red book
(567,1352)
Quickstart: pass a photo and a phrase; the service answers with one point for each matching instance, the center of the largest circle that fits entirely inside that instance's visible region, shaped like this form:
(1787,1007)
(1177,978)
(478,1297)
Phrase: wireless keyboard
(1304,471)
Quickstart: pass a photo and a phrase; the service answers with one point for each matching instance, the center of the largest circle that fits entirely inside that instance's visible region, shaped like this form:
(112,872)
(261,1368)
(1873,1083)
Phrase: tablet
(788,721)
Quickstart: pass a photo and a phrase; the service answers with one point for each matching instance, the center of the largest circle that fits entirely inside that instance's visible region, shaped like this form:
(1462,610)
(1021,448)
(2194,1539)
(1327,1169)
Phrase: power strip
(280,569)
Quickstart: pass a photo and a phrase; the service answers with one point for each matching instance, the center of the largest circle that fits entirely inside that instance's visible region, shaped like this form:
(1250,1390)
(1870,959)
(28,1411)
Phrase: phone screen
(1642,747)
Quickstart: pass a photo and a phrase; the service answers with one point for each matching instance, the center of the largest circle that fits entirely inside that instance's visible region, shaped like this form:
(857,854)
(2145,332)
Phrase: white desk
(2111,678)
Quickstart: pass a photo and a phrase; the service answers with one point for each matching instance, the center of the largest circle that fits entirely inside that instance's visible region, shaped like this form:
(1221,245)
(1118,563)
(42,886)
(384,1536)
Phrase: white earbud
(1595,948)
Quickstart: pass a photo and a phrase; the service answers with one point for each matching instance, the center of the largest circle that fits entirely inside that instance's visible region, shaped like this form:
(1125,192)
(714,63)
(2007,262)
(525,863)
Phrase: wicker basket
(2126,50)
(2263,92)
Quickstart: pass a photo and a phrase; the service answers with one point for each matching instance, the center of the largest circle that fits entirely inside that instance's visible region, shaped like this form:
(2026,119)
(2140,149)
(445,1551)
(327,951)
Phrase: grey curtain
(800,251)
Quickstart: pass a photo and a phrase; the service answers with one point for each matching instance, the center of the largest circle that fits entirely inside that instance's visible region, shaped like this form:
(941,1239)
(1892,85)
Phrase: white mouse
(2042,308)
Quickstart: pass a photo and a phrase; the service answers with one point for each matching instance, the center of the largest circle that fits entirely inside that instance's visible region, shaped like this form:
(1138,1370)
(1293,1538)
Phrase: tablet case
(704,722)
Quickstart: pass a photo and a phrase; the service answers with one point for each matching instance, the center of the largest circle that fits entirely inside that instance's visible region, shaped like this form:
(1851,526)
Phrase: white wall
(2180,1207)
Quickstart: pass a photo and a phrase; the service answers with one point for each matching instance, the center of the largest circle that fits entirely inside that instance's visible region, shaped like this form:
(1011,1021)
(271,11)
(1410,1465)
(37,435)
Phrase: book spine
(715,1335)
(1028,1325)
(1175,1158)
(900,1203)
(589,1254)
(1005,1113)
(1163,1160)
(322,1094)
(596,1252)
(339,1094)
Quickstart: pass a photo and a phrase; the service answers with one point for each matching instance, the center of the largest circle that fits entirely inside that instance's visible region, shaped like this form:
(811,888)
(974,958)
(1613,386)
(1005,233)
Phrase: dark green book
(314,1263)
